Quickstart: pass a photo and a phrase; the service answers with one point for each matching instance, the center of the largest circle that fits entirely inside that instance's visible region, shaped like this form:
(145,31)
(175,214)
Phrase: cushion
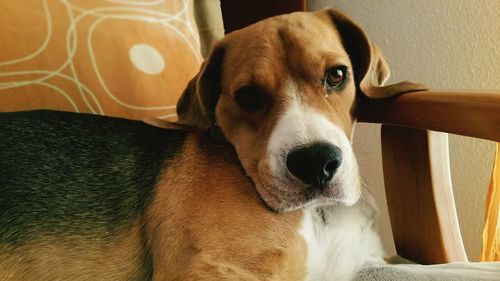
(123,58)
(458,271)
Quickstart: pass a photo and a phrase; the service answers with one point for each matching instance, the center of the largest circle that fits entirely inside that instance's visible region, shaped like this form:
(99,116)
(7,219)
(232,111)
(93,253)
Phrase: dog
(256,181)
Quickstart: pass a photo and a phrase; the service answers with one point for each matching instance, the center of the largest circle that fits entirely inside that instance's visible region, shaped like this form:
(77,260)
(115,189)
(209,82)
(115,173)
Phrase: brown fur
(205,228)
(51,258)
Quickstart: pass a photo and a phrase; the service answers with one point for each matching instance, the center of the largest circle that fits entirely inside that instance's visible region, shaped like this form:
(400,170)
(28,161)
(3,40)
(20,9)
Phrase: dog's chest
(339,241)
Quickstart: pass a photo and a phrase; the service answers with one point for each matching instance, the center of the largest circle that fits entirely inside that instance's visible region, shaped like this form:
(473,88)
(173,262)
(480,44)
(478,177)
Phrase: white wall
(446,44)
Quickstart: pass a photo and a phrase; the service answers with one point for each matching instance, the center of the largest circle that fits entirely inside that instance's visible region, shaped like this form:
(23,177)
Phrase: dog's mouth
(283,192)
(283,198)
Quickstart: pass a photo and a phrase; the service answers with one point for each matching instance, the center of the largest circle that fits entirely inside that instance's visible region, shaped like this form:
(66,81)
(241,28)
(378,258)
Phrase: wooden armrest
(475,114)
(416,165)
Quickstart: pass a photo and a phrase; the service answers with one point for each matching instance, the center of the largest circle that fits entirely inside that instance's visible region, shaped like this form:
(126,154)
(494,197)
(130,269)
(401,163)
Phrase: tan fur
(206,228)
(74,258)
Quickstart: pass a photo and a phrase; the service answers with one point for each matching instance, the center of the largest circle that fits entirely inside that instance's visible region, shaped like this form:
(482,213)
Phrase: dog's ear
(196,106)
(370,68)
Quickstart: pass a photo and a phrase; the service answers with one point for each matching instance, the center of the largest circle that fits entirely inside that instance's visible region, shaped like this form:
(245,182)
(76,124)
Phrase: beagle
(257,181)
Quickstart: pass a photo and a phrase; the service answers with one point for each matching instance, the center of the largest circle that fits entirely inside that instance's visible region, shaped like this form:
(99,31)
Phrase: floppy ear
(370,68)
(196,106)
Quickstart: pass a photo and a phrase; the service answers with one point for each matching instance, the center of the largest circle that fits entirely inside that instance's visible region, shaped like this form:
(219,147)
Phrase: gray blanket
(459,271)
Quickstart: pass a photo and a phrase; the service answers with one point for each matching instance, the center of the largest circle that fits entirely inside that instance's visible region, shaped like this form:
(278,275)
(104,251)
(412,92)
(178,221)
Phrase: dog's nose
(314,164)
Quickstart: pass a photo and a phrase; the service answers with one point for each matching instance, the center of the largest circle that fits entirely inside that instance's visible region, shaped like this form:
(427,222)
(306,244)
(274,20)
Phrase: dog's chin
(293,196)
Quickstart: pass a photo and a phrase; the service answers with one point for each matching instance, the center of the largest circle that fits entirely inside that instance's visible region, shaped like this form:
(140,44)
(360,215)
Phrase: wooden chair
(416,165)
(414,148)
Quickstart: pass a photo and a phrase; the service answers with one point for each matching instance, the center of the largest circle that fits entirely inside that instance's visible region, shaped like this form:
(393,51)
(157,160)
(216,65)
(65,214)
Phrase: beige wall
(446,44)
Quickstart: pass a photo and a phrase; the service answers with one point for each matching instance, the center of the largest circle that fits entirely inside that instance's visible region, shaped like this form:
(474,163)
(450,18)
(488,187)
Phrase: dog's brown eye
(335,77)
(251,99)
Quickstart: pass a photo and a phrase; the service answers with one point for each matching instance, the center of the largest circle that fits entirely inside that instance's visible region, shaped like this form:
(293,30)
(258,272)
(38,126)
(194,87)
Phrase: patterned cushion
(125,58)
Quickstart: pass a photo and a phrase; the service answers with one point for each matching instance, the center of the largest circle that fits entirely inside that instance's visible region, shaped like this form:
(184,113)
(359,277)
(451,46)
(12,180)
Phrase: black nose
(314,164)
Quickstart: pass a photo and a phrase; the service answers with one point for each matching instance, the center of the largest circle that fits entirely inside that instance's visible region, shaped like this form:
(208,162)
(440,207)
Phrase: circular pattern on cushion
(147,59)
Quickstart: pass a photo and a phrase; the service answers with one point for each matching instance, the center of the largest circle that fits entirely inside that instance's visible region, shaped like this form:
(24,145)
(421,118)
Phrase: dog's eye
(335,77)
(251,99)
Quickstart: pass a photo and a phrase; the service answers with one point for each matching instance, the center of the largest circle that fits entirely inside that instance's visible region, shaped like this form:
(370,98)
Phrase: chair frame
(416,165)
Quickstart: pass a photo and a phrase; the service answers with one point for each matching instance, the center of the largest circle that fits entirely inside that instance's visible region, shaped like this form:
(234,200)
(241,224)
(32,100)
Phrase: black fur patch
(77,174)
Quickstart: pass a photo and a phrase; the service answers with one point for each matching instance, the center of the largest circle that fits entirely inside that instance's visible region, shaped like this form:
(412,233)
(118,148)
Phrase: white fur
(338,246)
(301,125)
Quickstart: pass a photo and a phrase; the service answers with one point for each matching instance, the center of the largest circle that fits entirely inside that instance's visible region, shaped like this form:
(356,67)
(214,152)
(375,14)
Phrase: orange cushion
(125,58)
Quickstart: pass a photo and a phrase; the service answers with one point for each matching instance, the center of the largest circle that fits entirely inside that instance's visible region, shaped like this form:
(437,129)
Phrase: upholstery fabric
(124,58)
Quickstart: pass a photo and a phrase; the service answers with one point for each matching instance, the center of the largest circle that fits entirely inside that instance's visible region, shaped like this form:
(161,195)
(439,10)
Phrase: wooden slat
(240,13)
(475,114)
(419,195)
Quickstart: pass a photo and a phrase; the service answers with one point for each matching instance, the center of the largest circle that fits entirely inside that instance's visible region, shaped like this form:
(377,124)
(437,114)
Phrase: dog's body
(96,198)
(121,200)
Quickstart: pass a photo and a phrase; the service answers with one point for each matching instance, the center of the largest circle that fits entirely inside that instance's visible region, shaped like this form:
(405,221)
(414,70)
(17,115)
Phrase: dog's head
(284,93)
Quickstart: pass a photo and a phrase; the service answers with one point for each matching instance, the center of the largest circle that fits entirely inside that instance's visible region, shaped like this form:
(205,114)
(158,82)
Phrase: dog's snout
(314,164)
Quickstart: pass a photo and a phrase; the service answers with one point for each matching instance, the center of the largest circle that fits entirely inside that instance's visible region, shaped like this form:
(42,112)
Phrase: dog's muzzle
(314,164)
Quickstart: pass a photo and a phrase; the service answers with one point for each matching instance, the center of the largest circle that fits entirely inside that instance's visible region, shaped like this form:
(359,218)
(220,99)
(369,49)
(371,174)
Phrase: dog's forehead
(265,51)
